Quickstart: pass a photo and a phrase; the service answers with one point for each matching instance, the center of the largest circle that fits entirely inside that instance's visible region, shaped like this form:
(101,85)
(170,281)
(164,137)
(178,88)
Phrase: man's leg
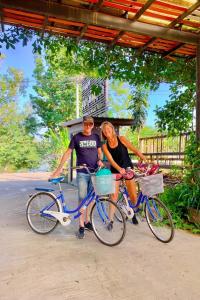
(88,224)
(82,193)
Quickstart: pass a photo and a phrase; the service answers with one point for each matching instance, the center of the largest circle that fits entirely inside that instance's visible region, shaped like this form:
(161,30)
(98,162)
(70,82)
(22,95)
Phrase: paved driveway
(58,266)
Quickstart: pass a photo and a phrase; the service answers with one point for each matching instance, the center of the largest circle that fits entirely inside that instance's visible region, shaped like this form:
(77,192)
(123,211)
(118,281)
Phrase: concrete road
(58,266)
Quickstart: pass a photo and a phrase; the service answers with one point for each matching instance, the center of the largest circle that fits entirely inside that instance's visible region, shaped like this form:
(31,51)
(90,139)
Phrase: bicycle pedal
(128,211)
(66,219)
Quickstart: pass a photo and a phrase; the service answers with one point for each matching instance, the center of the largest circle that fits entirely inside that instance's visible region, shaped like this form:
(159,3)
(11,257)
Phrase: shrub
(185,197)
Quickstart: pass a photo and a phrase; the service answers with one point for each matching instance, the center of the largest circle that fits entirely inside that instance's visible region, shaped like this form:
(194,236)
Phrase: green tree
(124,64)
(54,99)
(146,131)
(176,116)
(118,99)
(17,148)
(11,85)
(146,70)
(58,143)
(138,105)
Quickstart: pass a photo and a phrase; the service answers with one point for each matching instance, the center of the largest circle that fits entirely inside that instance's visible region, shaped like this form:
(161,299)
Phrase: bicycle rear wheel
(39,222)
(159,220)
(100,221)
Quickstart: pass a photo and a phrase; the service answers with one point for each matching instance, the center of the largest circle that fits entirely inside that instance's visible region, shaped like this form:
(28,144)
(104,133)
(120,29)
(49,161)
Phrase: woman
(116,151)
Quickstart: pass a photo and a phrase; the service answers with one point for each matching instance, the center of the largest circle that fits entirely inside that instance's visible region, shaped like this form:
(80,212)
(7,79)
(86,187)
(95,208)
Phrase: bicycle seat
(44,189)
(56,180)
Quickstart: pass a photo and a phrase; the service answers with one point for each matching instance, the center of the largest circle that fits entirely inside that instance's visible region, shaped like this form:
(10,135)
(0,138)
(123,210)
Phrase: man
(88,151)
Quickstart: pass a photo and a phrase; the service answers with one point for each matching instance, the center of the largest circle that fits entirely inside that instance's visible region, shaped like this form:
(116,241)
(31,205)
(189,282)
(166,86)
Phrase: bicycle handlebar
(84,166)
(148,169)
(56,180)
(130,174)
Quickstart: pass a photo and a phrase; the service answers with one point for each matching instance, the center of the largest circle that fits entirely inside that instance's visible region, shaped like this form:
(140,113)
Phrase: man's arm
(64,158)
(100,157)
(100,154)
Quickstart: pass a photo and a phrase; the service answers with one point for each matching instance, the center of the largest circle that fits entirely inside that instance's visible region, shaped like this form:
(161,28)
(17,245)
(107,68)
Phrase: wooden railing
(167,151)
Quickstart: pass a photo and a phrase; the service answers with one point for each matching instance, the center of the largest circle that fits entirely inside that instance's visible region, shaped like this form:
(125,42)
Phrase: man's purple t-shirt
(86,149)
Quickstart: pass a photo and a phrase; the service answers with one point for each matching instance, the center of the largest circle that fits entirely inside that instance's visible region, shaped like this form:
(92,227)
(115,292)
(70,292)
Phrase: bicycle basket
(104,184)
(151,185)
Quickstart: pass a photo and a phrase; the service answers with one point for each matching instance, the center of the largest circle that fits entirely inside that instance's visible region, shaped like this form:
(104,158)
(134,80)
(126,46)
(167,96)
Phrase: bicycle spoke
(38,221)
(101,216)
(159,220)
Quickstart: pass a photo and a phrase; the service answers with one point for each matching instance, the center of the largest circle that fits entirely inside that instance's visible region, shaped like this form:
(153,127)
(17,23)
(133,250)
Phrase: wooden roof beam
(177,21)
(137,15)
(83,30)
(172,24)
(142,10)
(185,14)
(1,17)
(168,53)
(85,27)
(141,49)
(44,26)
(100,19)
(98,5)
(1,20)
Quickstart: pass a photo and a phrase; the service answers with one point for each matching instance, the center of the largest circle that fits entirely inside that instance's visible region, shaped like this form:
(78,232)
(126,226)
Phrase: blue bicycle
(45,210)
(148,206)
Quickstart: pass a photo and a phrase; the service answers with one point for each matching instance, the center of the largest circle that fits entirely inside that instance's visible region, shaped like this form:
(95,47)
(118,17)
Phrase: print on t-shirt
(88,144)
(86,148)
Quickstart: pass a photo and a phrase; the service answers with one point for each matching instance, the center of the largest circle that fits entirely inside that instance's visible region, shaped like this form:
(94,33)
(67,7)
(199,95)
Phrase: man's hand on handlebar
(100,163)
(55,174)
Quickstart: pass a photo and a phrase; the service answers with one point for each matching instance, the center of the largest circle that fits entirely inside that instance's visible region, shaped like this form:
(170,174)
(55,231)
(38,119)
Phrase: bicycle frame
(63,216)
(140,200)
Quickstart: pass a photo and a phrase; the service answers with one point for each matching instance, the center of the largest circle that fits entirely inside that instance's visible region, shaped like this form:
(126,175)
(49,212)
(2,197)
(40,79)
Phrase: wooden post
(77,98)
(71,162)
(198,91)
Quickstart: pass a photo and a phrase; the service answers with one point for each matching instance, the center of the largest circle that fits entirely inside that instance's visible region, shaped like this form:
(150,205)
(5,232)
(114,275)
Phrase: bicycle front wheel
(110,234)
(39,221)
(159,220)
(120,203)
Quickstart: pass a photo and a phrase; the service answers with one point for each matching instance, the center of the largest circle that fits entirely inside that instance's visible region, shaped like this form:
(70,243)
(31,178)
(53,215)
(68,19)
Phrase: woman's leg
(132,191)
(114,198)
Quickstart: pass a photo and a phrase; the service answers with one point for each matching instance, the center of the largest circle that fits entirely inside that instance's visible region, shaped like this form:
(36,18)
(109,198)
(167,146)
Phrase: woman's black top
(120,156)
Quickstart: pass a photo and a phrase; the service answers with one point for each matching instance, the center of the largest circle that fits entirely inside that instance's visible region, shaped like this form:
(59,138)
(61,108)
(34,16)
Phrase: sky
(22,59)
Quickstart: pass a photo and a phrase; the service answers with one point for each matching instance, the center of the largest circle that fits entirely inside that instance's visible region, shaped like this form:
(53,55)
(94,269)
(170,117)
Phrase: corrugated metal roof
(167,27)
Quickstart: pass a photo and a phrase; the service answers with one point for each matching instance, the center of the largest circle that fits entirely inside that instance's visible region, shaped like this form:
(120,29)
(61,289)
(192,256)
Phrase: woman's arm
(130,146)
(110,158)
